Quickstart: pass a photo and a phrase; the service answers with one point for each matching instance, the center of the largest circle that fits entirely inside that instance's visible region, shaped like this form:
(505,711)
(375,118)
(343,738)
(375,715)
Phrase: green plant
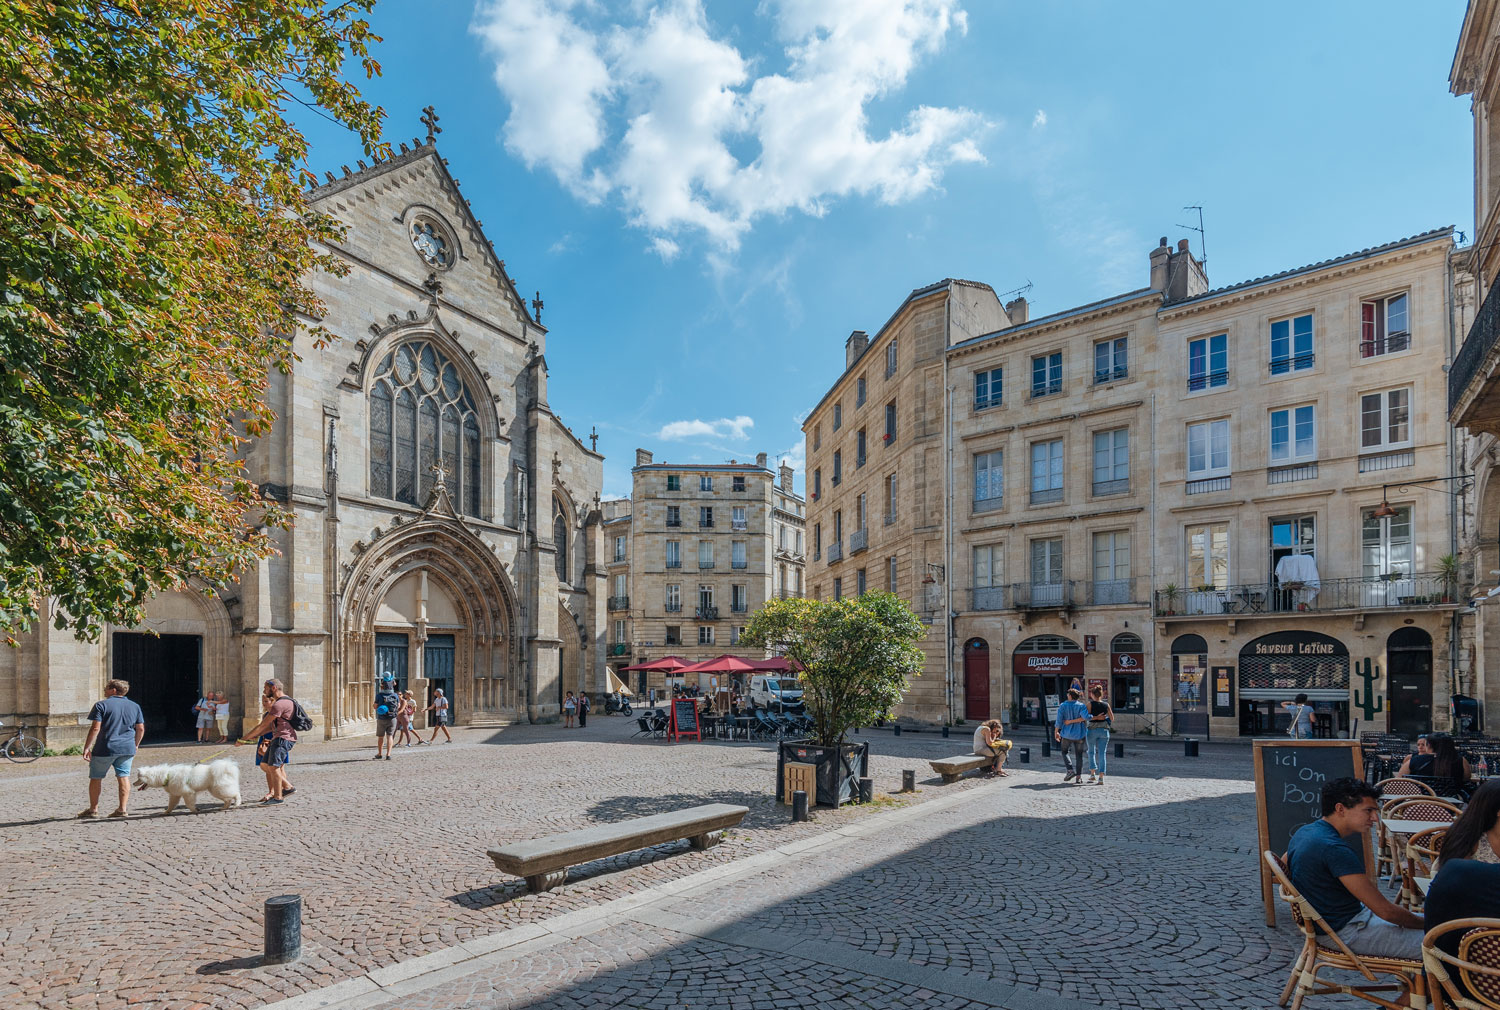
(1169,593)
(1448,569)
(73,751)
(857,656)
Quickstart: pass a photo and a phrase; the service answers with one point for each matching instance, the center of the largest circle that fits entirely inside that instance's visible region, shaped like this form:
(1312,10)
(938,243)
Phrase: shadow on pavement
(233,964)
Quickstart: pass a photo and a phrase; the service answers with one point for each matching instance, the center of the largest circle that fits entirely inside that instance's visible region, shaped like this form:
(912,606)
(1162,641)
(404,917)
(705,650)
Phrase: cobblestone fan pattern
(1141,894)
(161,911)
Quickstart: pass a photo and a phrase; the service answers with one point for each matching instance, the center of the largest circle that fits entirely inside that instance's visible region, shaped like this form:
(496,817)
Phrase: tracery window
(421,414)
(560,540)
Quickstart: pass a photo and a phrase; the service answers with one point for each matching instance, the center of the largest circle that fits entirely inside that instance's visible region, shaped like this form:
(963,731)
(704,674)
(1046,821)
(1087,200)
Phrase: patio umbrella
(617,685)
(721,664)
(778,664)
(666,664)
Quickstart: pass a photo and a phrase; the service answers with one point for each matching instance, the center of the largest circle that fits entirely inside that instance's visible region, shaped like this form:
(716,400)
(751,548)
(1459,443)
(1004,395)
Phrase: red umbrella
(667,664)
(721,664)
(778,664)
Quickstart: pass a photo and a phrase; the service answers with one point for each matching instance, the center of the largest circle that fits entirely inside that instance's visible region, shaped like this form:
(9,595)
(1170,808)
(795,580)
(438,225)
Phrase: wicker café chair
(1399,786)
(1477,966)
(1393,791)
(1392,848)
(1422,851)
(1322,948)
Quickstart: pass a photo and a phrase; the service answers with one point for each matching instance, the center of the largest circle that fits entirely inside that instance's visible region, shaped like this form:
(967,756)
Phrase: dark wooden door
(976,679)
(391,659)
(437,660)
(1410,685)
(165,675)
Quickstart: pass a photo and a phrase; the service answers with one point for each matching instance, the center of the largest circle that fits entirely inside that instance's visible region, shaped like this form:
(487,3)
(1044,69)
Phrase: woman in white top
(569,707)
(221,715)
(205,710)
(987,743)
(439,710)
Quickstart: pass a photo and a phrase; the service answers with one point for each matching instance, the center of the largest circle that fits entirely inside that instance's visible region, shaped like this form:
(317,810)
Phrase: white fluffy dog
(183,783)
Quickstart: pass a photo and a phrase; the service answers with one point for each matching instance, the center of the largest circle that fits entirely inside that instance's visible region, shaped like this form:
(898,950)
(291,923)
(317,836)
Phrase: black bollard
(1026,755)
(897,727)
(1119,750)
(909,780)
(1189,748)
(945,732)
(866,790)
(1046,747)
(799,805)
(283,928)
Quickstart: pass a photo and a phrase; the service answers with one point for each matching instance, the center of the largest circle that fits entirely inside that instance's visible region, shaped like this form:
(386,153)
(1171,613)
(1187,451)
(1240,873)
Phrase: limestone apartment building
(695,551)
(447,530)
(1107,494)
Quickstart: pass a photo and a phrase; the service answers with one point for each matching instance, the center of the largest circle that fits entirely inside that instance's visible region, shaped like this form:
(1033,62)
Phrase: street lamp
(1385,510)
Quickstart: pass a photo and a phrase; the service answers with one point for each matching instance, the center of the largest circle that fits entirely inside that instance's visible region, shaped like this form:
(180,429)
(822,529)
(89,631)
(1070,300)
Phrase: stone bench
(544,862)
(951,769)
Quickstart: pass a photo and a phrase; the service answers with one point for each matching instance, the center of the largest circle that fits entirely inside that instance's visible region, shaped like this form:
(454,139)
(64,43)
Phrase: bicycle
(21,747)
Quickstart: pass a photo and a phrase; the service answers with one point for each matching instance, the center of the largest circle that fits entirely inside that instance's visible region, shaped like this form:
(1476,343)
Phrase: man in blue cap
(387,704)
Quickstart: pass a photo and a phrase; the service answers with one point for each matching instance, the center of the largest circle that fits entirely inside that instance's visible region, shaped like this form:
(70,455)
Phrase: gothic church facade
(447,528)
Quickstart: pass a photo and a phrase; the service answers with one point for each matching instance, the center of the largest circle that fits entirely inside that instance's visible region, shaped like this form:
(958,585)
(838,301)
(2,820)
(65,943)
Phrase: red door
(976,679)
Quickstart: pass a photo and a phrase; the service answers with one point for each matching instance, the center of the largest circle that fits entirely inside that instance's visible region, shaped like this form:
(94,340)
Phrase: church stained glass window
(421,415)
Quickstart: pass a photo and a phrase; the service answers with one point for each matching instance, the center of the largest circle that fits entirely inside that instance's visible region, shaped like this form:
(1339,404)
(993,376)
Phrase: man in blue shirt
(387,704)
(1072,730)
(115,731)
(1326,863)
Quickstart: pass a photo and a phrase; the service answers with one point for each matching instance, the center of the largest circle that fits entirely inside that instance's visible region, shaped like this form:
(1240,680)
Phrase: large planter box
(839,769)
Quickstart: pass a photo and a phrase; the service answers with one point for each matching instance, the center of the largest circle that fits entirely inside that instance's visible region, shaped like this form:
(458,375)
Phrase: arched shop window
(1127,673)
(1189,673)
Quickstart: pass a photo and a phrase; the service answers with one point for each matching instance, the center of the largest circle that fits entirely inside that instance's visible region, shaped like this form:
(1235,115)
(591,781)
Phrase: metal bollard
(799,805)
(1046,747)
(283,928)
(897,728)
(909,780)
(1189,748)
(1119,750)
(945,732)
(1026,755)
(866,790)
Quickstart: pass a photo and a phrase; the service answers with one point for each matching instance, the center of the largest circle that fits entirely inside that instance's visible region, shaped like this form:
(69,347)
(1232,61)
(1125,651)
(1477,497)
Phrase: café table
(1423,883)
(1399,826)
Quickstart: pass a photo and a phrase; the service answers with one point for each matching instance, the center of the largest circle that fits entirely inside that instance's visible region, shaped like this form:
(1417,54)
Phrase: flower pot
(839,769)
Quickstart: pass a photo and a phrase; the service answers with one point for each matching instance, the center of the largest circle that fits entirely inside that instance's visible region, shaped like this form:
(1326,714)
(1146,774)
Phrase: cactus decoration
(1371,705)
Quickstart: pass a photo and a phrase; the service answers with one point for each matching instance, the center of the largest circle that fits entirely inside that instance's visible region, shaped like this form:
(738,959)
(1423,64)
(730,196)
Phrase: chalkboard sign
(685,718)
(1289,777)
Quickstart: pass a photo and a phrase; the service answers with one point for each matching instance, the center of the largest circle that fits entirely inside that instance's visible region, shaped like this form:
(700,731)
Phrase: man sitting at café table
(1325,863)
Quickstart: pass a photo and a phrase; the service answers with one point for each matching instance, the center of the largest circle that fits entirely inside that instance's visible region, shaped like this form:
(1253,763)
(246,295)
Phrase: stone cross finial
(594,437)
(439,471)
(536,306)
(430,120)
(433,286)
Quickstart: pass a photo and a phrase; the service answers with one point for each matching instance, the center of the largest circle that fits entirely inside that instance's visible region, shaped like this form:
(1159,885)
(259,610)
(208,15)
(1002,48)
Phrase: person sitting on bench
(987,743)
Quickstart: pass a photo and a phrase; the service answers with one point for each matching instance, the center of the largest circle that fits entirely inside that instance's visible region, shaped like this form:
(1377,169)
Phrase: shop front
(1127,673)
(1045,667)
(1275,668)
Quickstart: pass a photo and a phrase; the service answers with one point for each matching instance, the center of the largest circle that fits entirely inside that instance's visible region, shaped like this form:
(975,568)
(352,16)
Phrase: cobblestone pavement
(1119,895)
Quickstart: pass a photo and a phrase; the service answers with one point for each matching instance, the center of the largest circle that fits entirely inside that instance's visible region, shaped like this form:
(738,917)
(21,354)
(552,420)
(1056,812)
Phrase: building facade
(1114,490)
(446,529)
(692,554)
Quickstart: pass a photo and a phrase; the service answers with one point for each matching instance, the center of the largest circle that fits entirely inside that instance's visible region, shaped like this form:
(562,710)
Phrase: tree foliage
(155,243)
(857,655)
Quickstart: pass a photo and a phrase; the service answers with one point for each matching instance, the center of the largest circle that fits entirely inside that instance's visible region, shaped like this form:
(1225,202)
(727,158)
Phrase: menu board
(1289,777)
(685,718)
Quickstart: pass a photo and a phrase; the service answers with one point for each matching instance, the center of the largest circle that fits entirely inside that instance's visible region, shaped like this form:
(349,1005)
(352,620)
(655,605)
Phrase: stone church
(447,527)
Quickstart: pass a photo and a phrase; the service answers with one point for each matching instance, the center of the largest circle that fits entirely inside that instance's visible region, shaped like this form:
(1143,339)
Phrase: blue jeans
(1098,747)
(100,764)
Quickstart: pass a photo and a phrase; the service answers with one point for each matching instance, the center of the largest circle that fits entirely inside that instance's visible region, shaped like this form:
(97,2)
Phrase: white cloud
(1040,119)
(682,128)
(724,427)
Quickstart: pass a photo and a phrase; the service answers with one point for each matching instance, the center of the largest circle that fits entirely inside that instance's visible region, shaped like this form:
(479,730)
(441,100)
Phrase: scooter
(616,704)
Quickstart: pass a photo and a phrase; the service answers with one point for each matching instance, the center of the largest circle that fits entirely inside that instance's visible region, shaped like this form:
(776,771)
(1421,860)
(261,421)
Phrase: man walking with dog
(278,722)
(116,728)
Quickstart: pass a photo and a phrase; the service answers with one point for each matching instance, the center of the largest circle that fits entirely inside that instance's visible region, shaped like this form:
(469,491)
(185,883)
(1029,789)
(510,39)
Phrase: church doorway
(166,679)
(391,659)
(437,662)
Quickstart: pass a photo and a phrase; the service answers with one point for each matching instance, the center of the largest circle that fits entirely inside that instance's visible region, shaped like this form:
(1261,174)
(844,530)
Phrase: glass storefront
(1045,668)
(1276,668)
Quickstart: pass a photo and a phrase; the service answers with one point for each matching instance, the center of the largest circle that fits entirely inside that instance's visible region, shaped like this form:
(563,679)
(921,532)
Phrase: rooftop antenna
(1016,291)
(1202,236)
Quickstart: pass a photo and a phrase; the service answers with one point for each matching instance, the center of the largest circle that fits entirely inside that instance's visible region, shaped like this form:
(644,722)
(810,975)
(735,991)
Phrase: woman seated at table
(1437,757)
(987,743)
(1476,833)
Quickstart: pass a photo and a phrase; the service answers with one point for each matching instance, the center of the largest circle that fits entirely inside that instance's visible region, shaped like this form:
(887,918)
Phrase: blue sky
(711,196)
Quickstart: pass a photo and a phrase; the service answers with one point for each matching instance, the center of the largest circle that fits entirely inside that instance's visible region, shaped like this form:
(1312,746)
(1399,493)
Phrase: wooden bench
(951,769)
(544,862)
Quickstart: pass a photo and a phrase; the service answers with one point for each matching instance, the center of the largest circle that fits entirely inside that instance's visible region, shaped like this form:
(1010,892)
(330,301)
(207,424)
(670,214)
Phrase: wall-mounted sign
(1090,643)
(1126,662)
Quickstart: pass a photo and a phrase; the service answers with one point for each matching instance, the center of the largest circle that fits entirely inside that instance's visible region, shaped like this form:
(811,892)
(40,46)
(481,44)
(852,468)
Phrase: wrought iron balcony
(673,608)
(1046,496)
(674,522)
(859,540)
(705,524)
(705,564)
(1207,380)
(1399,591)
(674,562)
(738,608)
(1478,349)
(619,603)
(1039,390)
(706,613)
(994,504)
(741,525)
(1107,487)
(1113,592)
(835,553)
(1292,363)
(1115,374)
(988,598)
(739,564)
(1043,595)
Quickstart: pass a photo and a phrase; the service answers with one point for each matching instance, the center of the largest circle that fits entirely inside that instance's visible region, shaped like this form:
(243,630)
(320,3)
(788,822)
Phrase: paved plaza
(1019,892)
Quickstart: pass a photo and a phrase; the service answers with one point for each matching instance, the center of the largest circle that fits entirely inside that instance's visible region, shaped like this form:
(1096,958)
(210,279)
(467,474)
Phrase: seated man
(987,743)
(1325,863)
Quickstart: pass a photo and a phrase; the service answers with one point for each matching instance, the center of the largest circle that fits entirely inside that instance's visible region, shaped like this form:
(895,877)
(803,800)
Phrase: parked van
(775,690)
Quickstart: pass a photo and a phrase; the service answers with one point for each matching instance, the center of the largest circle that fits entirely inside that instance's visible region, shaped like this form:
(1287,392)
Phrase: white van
(775,690)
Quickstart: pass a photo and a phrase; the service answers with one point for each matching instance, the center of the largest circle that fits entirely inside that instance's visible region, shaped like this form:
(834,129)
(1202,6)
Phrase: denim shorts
(100,764)
(279,753)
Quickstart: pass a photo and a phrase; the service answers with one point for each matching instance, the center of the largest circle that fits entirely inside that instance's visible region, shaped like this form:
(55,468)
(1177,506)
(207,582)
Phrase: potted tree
(857,656)
(1169,594)
(1448,569)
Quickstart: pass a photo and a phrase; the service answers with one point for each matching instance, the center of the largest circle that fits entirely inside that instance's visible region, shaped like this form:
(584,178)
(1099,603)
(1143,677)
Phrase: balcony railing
(619,649)
(1291,363)
(673,523)
(706,613)
(1476,348)
(890,518)
(989,504)
(739,564)
(737,608)
(1388,344)
(674,562)
(705,524)
(705,564)
(617,559)
(859,461)
(835,553)
(619,603)
(740,524)
(1042,595)
(1048,389)
(1206,485)
(988,598)
(1115,374)
(858,541)
(1113,592)
(985,402)
(1046,495)
(1428,589)
(1288,474)
(890,369)
(1207,380)
(674,608)
(1107,487)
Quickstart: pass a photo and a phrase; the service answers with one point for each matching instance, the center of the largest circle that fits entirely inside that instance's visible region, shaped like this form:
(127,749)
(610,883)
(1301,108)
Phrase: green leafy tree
(858,655)
(155,249)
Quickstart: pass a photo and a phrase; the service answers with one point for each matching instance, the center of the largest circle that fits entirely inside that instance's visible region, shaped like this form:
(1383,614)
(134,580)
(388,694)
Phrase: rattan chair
(1322,948)
(1477,966)
(1392,850)
(1400,785)
(1422,851)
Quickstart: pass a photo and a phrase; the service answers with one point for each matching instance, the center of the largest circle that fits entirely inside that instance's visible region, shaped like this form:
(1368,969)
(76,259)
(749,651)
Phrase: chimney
(643,457)
(1185,275)
(1159,257)
(855,346)
(786,478)
(1018,311)
(760,460)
